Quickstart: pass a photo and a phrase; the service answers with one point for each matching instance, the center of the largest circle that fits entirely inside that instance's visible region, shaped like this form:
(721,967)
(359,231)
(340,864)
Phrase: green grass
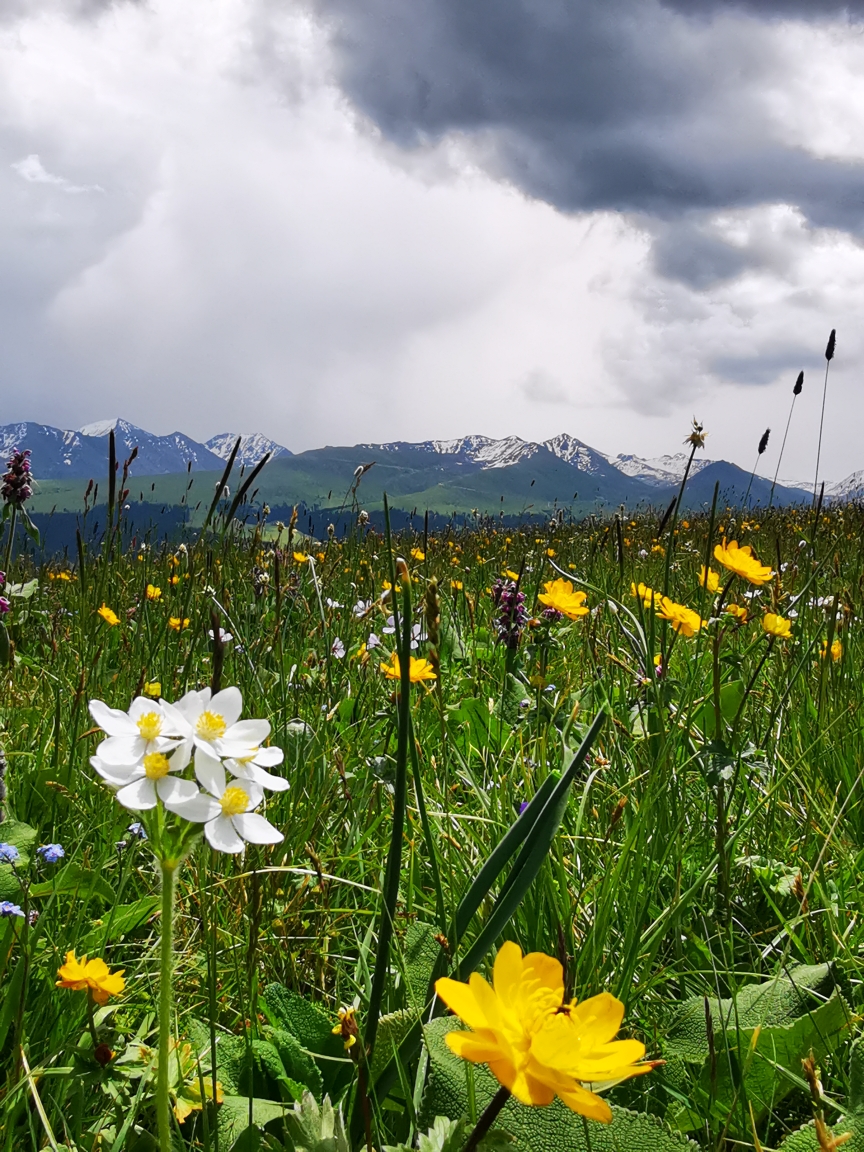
(693,859)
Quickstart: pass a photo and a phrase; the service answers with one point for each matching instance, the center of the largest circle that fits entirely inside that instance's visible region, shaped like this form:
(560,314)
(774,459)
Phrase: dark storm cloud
(627,105)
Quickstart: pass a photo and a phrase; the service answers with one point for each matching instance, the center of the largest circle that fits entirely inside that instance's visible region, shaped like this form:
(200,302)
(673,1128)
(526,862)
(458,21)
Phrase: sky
(334,222)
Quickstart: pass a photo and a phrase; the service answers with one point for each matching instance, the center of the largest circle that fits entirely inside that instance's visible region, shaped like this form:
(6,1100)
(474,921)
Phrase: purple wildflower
(8,853)
(17,482)
(512,617)
(8,909)
(5,605)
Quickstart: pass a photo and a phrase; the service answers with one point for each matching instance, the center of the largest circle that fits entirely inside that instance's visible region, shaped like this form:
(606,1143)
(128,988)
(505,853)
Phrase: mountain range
(509,475)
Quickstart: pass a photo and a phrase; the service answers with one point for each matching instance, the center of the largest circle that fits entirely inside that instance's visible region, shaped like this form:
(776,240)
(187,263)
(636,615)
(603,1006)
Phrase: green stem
(166,972)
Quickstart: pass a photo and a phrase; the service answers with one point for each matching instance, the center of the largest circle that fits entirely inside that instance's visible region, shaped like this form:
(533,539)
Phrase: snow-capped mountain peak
(660,471)
(253,446)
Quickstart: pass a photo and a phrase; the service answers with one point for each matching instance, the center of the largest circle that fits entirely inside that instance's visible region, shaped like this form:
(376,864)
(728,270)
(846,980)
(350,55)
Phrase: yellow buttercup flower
(776,625)
(301,557)
(709,579)
(742,562)
(153,593)
(682,619)
(740,613)
(108,616)
(90,974)
(418,554)
(177,623)
(836,650)
(154,689)
(456,584)
(560,596)
(511,575)
(418,669)
(647,595)
(535,1044)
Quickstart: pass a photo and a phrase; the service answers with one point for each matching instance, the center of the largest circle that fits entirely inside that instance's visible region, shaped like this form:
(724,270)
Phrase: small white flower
(140,786)
(361,608)
(213,722)
(145,728)
(254,768)
(337,649)
(373,642)
(227,812)
(224,636)
(333,603)
(417,633)
(643,552)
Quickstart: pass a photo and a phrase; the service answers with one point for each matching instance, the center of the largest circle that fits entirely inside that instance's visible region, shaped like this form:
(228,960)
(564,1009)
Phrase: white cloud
(260,258)
(32,170)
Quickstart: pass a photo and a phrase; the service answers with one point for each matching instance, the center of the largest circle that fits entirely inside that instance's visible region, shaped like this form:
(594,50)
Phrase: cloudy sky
(334,221)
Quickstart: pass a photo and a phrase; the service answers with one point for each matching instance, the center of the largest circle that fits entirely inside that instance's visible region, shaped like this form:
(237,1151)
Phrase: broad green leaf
(22,837)
(317,1129)
(765,1029)
(299,1067)
(313,1028)
(75,879)
(233,1118)
(551,1129)
(476,727)
(392,1030)
(421,955)
(731,695)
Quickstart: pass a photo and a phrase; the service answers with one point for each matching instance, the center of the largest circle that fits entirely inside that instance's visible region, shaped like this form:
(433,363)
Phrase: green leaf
(731,695)
(444,1136)
(22,837)
(233,1119)
(299,1067)
(22,591)
(392,1030)
(78,880)
(315,1129)
(477,727)
(763,1030)
(313,1028)
(250,1067)
(551,1129)
(421,955)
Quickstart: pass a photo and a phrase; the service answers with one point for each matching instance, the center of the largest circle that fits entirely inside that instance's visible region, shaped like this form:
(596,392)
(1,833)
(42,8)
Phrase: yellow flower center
(211,726)
(156,766)
(149,725)
(235,800)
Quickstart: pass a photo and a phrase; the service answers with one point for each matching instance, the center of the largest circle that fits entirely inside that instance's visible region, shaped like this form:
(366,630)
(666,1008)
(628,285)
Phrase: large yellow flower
(776,625)
(93,974)
(535,1044)
(108,615)
(742,562)
(417,670)
(682,619)
(560,596)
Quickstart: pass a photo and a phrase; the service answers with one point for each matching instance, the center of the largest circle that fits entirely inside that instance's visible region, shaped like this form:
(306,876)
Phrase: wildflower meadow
(546,837)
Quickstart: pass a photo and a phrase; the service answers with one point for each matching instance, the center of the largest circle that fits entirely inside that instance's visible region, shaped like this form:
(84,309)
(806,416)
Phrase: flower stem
(166,972)
(490,1115)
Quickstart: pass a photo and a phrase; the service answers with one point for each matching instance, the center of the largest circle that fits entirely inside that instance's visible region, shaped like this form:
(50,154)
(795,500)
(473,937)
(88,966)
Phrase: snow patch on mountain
(573,451)
(253,447)
(659,471)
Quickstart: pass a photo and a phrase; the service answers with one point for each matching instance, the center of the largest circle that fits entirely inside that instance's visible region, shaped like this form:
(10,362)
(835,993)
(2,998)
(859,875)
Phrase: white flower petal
(252,732)
(255,829)
(117,775)
(255,793)
(210,773)
(197,809)
(228,704)
(172,791)
(181,756)
(269,757)
(178,719)
(119,750)
(139,795)
(112,720)
(221,835)
(253,773)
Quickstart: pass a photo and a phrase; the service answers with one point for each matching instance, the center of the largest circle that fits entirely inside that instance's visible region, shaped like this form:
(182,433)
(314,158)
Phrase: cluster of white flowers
(148,747)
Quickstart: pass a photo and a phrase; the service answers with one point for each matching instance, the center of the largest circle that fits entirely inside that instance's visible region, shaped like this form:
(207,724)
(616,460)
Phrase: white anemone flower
(227,812)
(144,730)
(140,786)
(255,768)
(213,723)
